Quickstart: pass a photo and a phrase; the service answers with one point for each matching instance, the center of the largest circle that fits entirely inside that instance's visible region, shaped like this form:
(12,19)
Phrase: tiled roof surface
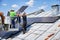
(41,31)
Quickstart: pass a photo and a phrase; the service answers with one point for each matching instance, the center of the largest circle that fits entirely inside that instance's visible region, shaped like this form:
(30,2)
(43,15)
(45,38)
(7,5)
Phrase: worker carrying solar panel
(13,16)
(24,17)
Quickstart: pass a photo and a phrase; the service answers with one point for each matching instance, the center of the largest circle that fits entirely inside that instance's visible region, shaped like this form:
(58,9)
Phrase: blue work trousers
(13,21)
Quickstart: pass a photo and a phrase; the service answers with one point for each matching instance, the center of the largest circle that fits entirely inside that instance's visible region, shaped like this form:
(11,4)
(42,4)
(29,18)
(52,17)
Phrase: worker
(12,15)
(2,17)
(24,16)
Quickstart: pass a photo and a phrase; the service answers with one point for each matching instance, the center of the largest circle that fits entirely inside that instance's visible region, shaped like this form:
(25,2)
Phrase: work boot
(24,31)
(3,27)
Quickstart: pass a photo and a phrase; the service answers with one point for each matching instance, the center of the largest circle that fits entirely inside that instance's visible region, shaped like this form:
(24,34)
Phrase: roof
(41,31)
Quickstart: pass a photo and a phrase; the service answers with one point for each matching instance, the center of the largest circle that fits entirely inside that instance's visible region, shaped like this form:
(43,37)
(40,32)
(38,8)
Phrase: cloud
(42,7)
(4,4)
(14,6)
(30,3)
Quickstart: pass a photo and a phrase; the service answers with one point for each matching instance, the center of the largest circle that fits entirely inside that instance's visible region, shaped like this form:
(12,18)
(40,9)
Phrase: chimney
(55,9)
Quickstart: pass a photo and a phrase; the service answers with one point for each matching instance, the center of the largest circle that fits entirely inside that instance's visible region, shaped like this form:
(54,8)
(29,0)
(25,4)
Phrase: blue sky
(34,5)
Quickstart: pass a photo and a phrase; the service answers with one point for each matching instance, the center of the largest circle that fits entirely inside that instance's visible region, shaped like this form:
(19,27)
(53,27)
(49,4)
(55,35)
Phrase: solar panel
(22,9)
(42,20)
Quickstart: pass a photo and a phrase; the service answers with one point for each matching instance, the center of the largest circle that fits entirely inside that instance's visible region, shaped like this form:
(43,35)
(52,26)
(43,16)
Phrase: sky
(34,5)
